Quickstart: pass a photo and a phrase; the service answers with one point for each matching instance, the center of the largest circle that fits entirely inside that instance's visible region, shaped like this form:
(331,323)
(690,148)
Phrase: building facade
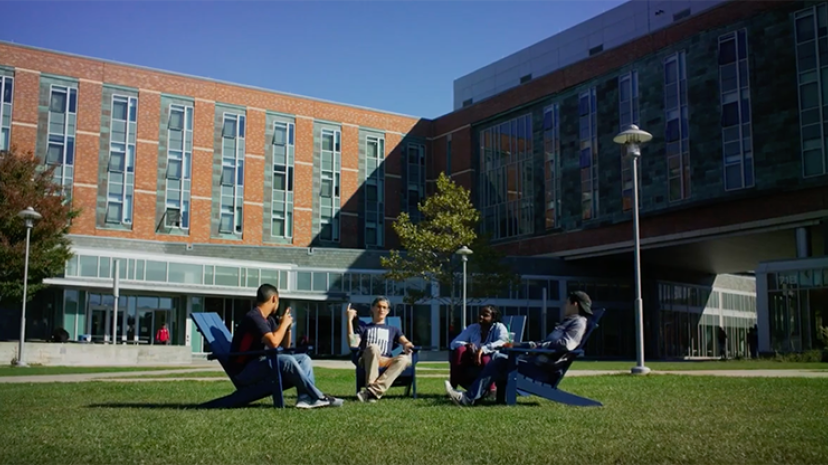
(197,191)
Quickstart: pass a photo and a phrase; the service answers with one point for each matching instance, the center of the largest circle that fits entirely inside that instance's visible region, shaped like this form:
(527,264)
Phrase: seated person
(376,341)
(472,349)
(258,330)
(566,336)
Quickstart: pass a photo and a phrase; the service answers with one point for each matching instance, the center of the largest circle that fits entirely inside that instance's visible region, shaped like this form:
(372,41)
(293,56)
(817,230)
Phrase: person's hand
(287,319)
(350,313)
(471,347)
(532,344)
(408,348)
(478,360)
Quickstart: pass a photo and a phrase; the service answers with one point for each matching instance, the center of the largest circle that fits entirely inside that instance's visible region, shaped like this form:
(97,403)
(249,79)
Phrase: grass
(676,419)
(9,370)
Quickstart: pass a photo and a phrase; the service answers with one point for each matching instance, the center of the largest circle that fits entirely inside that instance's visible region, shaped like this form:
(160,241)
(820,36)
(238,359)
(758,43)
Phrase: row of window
(506,148)
(120,167)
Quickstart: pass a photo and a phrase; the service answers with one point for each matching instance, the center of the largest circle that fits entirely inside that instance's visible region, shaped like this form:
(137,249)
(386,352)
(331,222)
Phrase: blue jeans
(296,370)
(494,371)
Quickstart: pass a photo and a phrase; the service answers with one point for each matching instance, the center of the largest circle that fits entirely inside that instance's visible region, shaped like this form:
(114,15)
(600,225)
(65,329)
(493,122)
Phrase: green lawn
(676,419)
(8,370)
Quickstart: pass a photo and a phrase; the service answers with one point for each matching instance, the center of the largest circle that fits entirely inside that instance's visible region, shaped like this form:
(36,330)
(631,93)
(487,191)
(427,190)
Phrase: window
(734,94)
(506,178)
(415,179)
(121,170)
(812,66)
(588,120)
(6,103)
(627,115)
(677,128)
(551,163)
(281,220)
(374,191)
(329,185)
(179,166)
(60,150)
(232,174)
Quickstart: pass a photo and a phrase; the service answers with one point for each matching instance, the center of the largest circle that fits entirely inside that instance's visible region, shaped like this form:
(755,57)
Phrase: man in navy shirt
(377,340)
(258,330)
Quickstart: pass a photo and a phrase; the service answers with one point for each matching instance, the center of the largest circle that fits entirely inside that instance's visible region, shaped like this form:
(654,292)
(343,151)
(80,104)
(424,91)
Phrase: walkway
(422,372)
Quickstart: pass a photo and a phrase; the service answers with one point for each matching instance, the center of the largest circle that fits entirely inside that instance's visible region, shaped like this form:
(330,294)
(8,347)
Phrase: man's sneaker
(456,396)
(333,401)
(366,396)
(315,404)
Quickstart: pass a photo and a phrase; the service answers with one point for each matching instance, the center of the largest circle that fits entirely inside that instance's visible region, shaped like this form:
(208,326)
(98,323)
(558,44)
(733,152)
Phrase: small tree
(25,183)
(449,222)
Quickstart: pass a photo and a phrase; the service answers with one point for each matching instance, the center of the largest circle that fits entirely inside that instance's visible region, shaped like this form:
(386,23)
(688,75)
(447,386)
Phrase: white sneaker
(315,404)
(456,396)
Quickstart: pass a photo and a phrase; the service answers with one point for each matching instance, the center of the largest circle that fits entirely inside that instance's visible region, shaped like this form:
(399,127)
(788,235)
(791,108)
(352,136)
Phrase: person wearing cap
(566,336)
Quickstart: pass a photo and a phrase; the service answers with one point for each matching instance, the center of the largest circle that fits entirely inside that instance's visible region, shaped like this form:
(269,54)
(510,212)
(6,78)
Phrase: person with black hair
(472,349)
(258,329)
(566,336)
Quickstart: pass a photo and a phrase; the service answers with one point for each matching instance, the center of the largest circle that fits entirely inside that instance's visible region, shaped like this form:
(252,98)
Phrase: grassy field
(684,366)
(9,370)
(644,420)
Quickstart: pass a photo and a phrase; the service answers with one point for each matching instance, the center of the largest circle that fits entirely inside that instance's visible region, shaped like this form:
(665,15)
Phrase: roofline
(201,78)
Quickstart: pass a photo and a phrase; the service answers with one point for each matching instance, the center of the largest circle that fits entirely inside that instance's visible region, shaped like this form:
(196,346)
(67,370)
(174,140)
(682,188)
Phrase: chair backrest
(562,364)
(516,324)
(216,334)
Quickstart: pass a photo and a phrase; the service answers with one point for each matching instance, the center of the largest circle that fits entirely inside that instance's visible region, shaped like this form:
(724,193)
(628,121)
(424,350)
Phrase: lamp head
(633,135)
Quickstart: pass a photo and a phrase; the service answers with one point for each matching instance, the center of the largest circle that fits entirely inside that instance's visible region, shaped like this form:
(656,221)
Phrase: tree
(24,182)
(449,222)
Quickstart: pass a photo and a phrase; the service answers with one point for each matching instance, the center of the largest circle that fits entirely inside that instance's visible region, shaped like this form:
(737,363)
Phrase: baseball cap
(584,302)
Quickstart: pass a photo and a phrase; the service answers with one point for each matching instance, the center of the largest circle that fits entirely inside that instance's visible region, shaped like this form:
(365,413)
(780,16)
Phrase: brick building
(199,190)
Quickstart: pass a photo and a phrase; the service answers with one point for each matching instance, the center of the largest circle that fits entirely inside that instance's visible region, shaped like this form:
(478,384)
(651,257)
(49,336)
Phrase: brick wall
(28,65)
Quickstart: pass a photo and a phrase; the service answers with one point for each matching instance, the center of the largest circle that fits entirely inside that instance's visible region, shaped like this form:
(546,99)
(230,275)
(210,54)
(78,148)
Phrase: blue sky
(400,56)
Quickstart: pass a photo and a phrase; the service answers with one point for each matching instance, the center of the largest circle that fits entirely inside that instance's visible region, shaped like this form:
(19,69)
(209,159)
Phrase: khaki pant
(370,361)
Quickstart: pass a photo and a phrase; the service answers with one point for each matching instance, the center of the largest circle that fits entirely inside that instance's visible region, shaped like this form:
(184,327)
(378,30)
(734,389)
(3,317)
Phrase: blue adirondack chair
(407,378)
(218,336)
(522,379)
(515,324)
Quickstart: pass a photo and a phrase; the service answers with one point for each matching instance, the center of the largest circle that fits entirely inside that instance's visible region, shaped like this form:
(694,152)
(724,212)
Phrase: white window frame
(127,186)
(236,163)
(745,154)
(376,179)
(814,12)
(6,81)
(66,182)
(287,216)
(184,201)
(335,177)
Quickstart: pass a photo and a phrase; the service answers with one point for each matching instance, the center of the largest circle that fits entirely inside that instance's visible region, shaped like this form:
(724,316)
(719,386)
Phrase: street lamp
(29,216)
(464,253)
(632,139)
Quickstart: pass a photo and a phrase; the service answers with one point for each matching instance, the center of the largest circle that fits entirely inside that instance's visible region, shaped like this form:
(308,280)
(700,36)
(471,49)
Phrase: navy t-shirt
(385,336)
(248,337)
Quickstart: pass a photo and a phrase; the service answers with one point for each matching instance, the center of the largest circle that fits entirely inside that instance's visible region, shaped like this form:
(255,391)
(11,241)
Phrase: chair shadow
(171,406)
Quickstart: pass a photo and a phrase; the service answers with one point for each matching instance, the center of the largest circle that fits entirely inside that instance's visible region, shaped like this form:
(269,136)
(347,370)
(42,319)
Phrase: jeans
(493,372)
(296,370)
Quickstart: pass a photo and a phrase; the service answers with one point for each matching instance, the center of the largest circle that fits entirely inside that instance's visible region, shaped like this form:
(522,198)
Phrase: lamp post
(632,139)
(464,253)
(29,216)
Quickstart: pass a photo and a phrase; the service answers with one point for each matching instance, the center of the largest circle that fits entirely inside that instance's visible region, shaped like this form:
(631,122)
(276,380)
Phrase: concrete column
(803,242)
